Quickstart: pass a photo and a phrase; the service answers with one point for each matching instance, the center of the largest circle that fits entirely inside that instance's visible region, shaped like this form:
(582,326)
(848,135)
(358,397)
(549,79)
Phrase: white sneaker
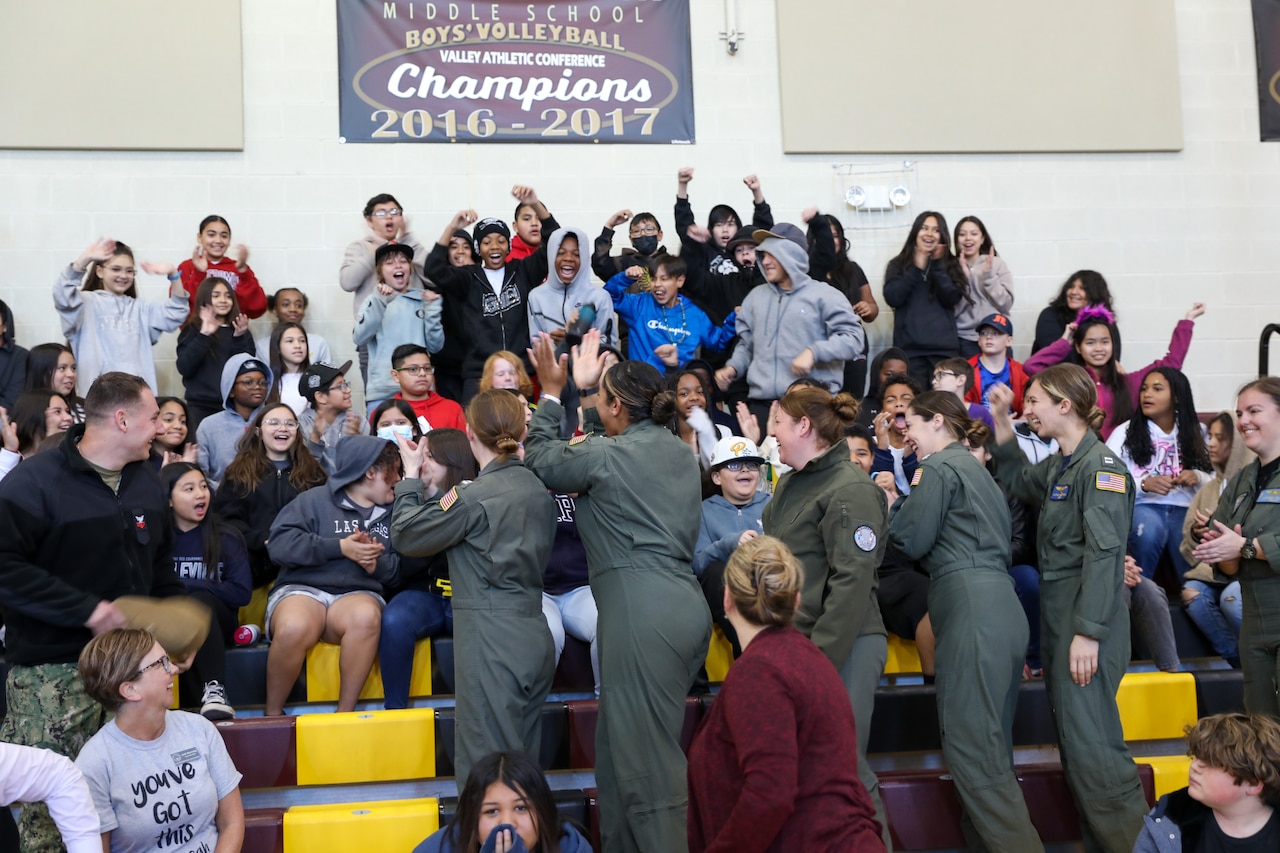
(213,704)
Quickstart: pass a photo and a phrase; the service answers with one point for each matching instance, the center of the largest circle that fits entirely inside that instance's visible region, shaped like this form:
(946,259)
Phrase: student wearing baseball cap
(993,364)
(728,520)
(328,415)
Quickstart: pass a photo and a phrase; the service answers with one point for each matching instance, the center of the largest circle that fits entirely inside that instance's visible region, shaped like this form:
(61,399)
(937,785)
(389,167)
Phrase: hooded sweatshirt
(551,302)
(776,325)
(385,323)
(306,538)
(723,523)
(109,332)
(217,434)
(359,275)
(13,361)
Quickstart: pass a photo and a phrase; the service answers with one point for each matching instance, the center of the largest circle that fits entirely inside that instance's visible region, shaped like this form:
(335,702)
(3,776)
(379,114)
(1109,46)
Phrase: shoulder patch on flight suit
(450,498)
(1105,481)
(1060,492)
(578,439)
(915,480)
(865,538)
(1269,496)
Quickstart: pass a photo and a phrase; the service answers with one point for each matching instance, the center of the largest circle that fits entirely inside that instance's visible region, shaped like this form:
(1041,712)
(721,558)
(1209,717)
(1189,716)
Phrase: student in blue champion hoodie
(210,558)
(245,381)
(728,519)
(333,547)
(398,312)
(666,328)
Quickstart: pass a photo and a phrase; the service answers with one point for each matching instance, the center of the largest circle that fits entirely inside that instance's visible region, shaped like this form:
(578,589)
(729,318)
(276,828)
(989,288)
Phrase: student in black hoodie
(723,221)
(486,302)
(13,360)
(80,526)
(646,244)
(215,331)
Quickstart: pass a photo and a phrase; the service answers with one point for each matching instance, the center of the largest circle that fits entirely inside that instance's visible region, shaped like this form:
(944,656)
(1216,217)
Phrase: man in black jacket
(80,526)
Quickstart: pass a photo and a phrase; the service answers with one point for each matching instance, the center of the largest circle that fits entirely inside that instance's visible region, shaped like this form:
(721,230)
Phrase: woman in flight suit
(1086,506)
(497,530)
(639,508)
(956,523)
(1243,538)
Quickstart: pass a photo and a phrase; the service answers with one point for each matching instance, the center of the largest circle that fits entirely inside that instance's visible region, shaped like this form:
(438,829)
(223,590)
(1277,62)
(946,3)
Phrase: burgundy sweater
(774,766)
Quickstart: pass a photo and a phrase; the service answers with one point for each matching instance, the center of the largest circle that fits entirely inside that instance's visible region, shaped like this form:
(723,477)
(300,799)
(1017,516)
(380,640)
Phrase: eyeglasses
(741,465)
(416,369)
(941,373)
(383,214)
(252,383)
(645,231)
(341,387)
(121,270)
(276,423)
(163,662)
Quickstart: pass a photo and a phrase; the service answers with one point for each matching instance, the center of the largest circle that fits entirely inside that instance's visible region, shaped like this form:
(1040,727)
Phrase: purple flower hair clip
(1095,312)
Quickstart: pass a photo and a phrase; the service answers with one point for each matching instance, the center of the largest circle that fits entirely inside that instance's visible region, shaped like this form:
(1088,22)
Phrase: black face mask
(646,244)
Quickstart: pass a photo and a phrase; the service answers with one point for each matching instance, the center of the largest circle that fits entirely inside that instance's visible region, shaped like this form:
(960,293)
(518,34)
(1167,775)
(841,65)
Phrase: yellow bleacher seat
(255,612)
(903,656)
(366,746)
(1170,771)
(719,656)
(397,825)
(323,681)
(1156,705)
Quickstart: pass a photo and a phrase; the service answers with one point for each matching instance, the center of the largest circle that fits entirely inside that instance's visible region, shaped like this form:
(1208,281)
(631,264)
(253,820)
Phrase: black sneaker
(213,704)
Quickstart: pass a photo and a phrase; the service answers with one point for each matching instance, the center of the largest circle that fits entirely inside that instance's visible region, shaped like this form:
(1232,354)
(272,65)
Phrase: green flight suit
(1258,514)
(1086,510)
(639,505)
(956,524)
(498,530)
(834,519)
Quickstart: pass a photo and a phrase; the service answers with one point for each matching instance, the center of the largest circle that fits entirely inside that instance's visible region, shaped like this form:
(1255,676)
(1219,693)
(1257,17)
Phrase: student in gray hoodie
(244,385)
(791,327)
(568,288)
(333,546)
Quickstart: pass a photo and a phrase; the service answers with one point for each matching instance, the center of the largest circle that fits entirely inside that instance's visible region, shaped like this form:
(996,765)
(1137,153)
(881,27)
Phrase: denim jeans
(1216,611)
(574,613)
(412,615)
(1149,610)
(1157,529)
(1026,585)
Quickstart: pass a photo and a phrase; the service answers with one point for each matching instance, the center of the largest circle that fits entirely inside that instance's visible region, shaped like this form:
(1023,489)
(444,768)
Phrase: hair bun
(846,407)
(507,445)
(1096,418)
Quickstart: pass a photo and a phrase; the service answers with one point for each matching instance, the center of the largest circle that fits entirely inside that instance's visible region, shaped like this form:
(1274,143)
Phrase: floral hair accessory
(1095,312)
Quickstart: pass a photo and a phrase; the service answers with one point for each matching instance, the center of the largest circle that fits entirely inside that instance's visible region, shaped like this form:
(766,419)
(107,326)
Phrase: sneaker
(213,704)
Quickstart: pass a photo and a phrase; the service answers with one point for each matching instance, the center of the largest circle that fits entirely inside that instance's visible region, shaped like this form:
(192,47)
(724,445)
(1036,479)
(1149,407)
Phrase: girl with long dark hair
(53,366)
(1082,289)
(990,282)
(215,331)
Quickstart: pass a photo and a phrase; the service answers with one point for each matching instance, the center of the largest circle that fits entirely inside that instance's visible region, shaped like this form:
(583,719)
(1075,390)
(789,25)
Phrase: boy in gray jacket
(791,327)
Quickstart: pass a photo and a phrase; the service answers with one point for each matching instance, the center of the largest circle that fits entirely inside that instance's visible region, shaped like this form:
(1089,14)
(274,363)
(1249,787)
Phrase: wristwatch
(1248,551)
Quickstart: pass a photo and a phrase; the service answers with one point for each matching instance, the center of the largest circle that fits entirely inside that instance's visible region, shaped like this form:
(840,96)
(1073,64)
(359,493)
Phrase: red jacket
(439,412)
(520,249)
(253,302)
(1017,383)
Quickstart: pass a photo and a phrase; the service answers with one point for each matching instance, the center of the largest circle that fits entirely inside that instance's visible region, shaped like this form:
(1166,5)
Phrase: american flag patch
(1109,482)
(915,478)
(451,497)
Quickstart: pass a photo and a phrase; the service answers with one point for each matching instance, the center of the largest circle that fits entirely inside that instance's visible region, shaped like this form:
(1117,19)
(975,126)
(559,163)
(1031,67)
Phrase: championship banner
(414,71)
(1266,32)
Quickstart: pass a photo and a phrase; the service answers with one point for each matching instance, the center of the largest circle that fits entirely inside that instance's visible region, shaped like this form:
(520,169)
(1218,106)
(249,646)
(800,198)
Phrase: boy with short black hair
(723,221)
(666,328)
(646,244)
(528,232)
(244,385)
(411,369)
(993,363)
(955,376)
(1234,789)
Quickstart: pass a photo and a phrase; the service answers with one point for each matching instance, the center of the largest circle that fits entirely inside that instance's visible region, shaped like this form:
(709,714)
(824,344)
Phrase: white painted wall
(1166,229)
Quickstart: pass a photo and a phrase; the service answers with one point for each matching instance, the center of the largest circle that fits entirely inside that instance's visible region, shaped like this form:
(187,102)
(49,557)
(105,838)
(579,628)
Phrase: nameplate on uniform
(1107,482)
(1060,492)
(915,478)
(450,498)
(1269,496)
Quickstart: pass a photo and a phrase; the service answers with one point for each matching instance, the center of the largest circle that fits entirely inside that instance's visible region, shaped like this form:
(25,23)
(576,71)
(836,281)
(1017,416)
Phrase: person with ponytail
(497,531)
(773,766)
(1086,494)
(1090,342)
(834,519)
(638,511)
(956,524)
